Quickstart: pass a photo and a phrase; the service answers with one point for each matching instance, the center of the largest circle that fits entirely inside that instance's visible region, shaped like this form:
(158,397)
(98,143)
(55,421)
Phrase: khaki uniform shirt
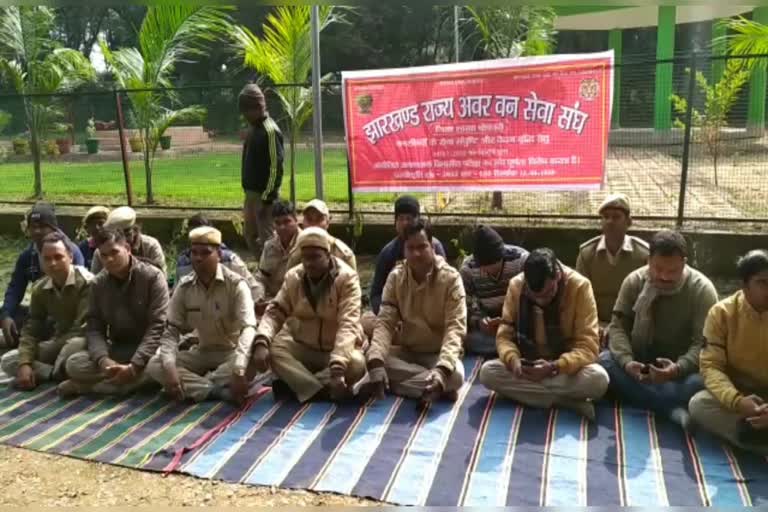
(607,272)
(433,314)
(332,324)
(272,267)
(222,315)
(67,308)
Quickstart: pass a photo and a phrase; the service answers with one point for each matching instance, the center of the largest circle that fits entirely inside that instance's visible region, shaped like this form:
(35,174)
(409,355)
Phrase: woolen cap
(43,213)
(489,246)
(405,205)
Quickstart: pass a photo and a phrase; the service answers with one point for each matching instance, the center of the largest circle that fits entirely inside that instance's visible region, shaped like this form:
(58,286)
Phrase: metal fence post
(687,142)
(123,150)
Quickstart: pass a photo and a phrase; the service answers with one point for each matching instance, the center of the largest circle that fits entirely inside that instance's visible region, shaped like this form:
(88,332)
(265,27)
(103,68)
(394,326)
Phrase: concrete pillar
(756,111)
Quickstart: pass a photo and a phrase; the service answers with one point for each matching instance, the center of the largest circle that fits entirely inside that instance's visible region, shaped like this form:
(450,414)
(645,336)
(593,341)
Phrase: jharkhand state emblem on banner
(364,103)
(589,89)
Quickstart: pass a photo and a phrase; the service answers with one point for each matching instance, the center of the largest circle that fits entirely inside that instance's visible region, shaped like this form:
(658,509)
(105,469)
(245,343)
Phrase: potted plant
(137,144)
(165,142)
(91,142)
(20,146)
(63,140)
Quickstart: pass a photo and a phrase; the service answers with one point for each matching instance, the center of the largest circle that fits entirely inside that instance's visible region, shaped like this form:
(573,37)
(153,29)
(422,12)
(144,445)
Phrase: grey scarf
(642,329)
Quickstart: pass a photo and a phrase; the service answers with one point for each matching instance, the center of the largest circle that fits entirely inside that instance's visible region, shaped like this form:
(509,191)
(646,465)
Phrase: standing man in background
(262,167)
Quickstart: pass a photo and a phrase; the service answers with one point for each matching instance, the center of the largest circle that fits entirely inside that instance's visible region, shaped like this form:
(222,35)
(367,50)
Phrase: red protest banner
(509,124)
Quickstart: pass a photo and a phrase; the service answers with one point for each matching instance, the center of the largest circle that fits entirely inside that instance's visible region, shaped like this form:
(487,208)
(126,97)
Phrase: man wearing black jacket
(262,167)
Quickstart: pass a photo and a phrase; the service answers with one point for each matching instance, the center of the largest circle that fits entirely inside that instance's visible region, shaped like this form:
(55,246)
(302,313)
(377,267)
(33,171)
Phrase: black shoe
(281,391)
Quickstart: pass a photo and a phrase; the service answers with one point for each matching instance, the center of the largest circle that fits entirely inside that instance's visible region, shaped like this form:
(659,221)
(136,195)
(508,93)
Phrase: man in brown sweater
(310,333)
(608,259)
(548,339)
(124,325)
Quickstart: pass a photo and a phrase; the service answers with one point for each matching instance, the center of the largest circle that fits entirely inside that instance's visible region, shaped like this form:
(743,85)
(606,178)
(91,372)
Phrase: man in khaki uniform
(316,214)
(427,296)
(143,246)
(274,258)
(548,339)
(608,259)
(317,354)
(61,296)
(217,303)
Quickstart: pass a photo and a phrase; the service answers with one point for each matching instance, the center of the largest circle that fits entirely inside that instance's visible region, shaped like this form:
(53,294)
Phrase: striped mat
(479,451)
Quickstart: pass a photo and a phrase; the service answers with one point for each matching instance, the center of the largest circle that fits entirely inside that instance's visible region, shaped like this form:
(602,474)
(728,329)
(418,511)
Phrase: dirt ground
(32,478)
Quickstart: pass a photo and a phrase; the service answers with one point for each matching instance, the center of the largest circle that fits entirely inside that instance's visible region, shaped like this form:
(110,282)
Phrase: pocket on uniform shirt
(194,317)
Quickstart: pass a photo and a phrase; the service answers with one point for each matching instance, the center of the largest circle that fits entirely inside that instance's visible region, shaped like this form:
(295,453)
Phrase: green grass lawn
(206,179)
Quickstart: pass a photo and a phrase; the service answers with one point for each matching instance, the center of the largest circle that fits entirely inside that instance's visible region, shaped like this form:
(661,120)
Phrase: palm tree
(748,38)
(169,34)
(512,31)
(37,67)
(284,55)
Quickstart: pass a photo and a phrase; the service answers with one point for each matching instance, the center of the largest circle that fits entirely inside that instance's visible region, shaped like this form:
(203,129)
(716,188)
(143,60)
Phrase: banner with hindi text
(509,124)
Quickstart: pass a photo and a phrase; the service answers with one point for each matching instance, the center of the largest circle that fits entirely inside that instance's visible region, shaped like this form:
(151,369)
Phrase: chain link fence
(670,172)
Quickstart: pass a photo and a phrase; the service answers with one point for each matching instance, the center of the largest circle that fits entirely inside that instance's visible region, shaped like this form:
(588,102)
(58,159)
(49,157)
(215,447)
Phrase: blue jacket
(87,250)
(26,271)
(393,252)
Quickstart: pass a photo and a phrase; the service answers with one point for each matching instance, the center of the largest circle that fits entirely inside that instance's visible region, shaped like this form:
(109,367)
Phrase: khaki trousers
(51,358)
(305,370)
(257,218)
(708,413)
(83,370)
(200,370)
(407,372)
(589,383)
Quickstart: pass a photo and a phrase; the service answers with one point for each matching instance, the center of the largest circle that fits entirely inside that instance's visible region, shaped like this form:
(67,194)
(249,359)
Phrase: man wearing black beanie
(40,221)
(486,275)
(407,212)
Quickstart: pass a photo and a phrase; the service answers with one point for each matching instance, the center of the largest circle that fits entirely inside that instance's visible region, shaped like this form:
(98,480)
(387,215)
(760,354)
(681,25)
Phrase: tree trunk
(148,168)
(496,201)
(35,146)
(34,143)
(293,166)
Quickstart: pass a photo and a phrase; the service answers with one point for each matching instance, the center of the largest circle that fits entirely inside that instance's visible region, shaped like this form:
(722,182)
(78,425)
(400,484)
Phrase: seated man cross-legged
(548,341)
(734,362)
(426,297)
(310,333)
(125,321)
(61,297)
(657,331)
(217,303)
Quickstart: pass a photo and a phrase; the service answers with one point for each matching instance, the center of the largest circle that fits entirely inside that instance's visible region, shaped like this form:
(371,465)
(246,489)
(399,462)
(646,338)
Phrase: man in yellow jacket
(548,341)
(734,362)
(425,296)
(310,333)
